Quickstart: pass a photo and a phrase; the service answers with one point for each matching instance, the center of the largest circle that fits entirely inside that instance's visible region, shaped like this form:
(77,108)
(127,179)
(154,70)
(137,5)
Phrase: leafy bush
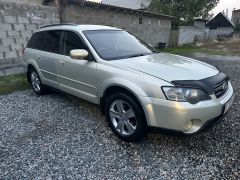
(237,28)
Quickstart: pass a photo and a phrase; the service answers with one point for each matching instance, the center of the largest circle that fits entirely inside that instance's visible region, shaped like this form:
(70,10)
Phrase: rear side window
(46,41)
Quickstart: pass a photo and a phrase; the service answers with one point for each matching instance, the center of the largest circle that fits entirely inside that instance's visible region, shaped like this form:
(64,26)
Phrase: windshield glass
(117,44)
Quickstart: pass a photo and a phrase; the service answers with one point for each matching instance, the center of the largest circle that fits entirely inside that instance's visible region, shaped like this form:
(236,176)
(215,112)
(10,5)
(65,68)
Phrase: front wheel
(36,83)
(125,117)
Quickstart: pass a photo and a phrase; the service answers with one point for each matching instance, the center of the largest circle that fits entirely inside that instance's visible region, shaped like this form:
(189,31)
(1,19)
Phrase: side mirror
(78,54)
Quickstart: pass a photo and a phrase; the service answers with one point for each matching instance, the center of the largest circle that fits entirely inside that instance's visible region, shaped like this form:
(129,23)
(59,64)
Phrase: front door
(77,77)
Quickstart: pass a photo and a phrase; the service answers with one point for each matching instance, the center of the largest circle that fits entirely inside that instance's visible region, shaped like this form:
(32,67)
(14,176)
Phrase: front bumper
(171,115)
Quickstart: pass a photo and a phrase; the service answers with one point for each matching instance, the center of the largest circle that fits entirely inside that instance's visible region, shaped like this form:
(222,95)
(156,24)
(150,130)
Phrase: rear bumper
(169,115)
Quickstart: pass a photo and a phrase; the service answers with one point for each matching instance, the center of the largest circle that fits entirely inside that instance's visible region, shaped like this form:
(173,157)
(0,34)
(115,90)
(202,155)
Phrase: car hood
(169,67)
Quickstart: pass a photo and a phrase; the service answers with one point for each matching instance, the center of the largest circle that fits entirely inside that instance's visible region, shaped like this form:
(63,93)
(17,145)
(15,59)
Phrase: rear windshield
(117,44)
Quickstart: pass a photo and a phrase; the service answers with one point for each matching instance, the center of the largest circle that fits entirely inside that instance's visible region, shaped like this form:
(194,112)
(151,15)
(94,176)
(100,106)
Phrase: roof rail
(62,24)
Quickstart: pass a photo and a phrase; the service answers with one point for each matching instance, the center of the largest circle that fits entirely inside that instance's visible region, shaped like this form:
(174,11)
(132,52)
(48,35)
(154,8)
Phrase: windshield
(117,44)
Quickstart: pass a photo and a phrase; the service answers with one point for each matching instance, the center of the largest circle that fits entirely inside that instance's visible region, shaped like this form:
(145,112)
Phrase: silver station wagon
(137,87)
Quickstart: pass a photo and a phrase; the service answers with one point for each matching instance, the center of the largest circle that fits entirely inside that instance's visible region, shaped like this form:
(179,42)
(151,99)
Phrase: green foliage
(184,10)
(13,83)
(237,28)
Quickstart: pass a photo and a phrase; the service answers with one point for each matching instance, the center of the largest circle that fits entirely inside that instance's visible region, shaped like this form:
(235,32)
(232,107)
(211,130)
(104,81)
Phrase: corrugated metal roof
(236,10)
(132,4)
(220,20)
(119,9)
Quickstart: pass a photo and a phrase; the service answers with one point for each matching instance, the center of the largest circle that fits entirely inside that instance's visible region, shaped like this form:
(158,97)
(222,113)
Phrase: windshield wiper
(137,55)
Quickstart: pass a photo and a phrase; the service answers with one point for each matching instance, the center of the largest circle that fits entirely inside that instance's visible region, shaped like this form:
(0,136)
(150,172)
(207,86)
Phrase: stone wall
(18,21)
(153,30)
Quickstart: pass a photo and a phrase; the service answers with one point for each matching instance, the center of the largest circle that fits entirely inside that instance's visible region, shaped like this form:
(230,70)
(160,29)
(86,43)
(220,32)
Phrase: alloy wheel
(123,118)
(35,81)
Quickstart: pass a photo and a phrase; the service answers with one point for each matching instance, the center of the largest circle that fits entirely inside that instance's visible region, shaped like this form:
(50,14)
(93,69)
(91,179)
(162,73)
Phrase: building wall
(153,30)
(215,34)
(224,31)
(188,34)
(18,21)
(236,17)
(199,24)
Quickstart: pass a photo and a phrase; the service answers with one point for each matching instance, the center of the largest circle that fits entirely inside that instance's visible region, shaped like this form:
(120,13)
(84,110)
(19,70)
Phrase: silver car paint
(143,76)
(170,67)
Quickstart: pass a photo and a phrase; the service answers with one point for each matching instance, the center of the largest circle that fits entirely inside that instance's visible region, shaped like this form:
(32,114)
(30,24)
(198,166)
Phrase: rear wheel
(36,83)
(125,117)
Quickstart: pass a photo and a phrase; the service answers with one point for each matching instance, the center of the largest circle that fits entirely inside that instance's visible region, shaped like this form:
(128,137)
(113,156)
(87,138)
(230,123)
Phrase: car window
(46,41)
(70,42)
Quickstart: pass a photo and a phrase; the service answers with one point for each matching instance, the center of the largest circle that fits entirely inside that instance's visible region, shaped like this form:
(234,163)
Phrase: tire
(36,82)
(125,117)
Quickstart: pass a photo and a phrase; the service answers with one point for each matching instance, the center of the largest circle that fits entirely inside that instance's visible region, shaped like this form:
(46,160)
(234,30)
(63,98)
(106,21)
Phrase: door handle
(61,63)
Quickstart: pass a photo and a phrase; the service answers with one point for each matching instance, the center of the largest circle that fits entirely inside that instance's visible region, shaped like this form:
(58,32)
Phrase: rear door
(44,48)
(77,77)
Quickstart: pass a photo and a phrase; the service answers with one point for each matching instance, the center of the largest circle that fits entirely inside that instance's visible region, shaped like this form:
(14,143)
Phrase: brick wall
(153,30)
(18,21)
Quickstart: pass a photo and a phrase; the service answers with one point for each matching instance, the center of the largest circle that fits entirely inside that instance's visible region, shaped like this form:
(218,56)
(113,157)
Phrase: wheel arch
(119,88)
(32,64)
(29,67)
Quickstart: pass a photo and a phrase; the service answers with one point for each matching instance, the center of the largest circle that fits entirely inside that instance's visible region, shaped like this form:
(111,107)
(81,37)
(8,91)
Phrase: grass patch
(9,84)
(191,50)
(183,50)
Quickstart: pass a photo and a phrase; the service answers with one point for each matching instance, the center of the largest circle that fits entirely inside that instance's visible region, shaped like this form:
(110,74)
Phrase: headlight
(192,96)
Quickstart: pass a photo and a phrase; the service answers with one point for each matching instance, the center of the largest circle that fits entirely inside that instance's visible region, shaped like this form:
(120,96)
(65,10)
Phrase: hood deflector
(206,85)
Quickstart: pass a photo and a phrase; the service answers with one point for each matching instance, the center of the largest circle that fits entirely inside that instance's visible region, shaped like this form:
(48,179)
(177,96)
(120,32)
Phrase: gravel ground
(58,137)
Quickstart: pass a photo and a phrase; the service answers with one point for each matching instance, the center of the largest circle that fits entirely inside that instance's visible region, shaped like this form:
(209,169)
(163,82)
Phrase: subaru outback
(136,87)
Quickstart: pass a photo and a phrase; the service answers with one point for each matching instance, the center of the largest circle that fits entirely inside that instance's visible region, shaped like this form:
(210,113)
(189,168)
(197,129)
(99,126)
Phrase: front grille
(221,89)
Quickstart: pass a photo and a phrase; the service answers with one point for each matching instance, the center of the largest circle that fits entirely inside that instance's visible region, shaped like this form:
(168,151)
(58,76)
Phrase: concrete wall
(215,34)
(236,17)
(199,24)
(153,30)
(224,31)
(188,34)
(18,21)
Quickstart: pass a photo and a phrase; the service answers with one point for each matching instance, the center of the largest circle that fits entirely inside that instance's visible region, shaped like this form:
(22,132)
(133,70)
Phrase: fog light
(188,125)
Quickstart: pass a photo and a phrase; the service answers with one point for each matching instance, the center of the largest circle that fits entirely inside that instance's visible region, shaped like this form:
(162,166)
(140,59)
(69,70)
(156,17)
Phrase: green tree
(237,28)
(184,10)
